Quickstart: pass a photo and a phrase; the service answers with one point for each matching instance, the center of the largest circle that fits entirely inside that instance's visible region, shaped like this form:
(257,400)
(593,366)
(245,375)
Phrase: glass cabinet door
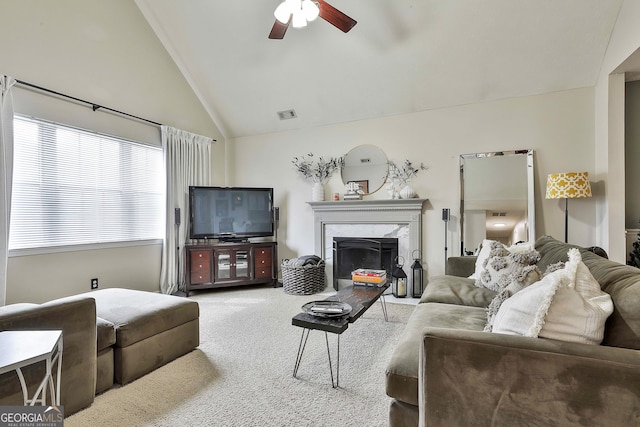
(242,264)
(223,267)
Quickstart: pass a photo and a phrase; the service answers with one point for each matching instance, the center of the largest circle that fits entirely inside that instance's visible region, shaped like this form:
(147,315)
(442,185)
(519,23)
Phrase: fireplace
(350,253)
(397,218)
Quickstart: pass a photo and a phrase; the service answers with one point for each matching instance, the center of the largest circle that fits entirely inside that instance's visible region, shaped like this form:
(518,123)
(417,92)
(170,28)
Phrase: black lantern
(398,280)
(417,283)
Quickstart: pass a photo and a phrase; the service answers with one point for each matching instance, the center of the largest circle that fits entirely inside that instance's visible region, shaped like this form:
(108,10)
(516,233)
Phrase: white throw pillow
(566,305)
(485,249)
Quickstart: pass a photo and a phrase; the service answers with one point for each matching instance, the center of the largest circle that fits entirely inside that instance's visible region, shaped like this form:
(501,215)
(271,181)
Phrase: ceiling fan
(299,12)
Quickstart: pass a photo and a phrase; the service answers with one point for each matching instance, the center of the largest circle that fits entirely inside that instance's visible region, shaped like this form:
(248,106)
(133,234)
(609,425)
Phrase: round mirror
(366,165)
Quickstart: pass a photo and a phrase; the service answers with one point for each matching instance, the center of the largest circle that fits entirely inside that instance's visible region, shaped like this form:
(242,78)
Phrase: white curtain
(188,162)
(6,176)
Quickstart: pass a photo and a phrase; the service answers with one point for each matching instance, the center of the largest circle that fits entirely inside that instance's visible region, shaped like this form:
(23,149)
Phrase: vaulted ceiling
(403,56)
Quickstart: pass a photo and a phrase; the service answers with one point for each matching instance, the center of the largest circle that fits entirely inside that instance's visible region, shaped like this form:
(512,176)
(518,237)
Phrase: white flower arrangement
(319,171)
(401,176)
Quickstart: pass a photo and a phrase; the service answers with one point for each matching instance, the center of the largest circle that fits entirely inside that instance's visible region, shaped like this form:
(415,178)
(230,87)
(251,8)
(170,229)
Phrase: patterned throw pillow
(567,305)
(507,273)
(485,250)
(504,268)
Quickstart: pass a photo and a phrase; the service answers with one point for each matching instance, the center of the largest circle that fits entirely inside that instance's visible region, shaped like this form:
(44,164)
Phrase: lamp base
(566,220)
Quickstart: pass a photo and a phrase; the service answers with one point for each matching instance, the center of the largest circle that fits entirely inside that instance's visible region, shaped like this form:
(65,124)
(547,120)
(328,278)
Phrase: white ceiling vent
(499,214)
(287,114)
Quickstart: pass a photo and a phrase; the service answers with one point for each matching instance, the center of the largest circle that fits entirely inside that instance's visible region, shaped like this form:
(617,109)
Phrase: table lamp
(568,185)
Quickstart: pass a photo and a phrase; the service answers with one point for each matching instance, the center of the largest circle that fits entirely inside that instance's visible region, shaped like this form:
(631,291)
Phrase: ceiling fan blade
(336,18)
(278,30)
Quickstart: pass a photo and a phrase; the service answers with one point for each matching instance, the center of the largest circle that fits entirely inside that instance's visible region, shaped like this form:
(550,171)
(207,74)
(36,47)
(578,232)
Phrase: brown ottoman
(106,334)
(151,329)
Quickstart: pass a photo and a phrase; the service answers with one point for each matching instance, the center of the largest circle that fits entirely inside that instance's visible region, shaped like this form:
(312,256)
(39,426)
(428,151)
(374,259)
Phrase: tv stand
(227,263)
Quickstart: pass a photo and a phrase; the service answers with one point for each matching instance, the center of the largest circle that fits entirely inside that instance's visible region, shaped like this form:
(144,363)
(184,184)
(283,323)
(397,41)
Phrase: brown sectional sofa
(446,371)
(76,317)
(110,335)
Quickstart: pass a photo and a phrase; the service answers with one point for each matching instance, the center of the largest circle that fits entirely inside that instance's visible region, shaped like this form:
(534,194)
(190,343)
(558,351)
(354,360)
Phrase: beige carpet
(241,374)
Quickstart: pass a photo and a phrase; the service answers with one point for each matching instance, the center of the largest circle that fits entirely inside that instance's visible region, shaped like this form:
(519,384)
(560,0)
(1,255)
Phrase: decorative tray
(327,308)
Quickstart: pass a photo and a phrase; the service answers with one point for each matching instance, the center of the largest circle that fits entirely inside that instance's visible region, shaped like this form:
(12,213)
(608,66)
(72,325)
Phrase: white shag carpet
(241,374)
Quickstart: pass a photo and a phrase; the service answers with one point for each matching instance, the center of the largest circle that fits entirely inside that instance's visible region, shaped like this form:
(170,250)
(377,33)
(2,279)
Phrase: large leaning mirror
(366,165)
(496,198)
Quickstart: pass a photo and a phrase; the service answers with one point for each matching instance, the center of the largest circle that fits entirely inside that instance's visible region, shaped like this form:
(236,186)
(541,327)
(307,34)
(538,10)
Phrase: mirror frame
(531,205)
(386,163)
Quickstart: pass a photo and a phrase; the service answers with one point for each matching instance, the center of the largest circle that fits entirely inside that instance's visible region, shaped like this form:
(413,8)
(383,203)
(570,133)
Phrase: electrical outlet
(94,283)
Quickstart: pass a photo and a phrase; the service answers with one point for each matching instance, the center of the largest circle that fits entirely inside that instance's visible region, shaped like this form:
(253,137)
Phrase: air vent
(499,214)
(287,114)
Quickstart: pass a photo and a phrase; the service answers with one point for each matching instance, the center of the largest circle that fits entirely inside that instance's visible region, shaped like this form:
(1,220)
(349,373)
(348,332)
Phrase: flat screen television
(230,213)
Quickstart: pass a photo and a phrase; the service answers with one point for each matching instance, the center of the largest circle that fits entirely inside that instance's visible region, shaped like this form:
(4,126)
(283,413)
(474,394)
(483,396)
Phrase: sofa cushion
(402,370)
(11,309)
(461,266)
(565,305)
(553,251)
(620,281)
(106,333)
(138,314)
(456,290)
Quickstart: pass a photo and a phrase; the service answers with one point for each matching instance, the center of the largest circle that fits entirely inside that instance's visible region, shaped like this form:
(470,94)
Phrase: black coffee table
(360,298)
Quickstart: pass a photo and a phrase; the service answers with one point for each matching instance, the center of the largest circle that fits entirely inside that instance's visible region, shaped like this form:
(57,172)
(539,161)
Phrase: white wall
(104,52)
(558,126)
(609,132)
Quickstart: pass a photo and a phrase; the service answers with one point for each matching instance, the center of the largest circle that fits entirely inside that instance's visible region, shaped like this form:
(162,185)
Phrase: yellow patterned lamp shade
(568,185)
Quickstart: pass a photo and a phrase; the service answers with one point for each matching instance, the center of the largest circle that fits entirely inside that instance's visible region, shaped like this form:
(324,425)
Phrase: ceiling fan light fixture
(298,13)
(311,10)
(299,21)
(283,12)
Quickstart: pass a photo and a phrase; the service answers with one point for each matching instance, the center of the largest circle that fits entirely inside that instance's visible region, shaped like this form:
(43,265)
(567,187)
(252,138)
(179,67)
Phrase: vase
(317,192)
(407,192)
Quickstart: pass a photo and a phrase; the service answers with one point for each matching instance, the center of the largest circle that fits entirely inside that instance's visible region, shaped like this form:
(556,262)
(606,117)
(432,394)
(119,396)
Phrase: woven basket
(305,280)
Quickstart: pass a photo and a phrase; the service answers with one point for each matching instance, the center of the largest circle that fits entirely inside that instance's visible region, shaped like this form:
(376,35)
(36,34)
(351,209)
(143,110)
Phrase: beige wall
(40,278)
(104,52)
(558,126)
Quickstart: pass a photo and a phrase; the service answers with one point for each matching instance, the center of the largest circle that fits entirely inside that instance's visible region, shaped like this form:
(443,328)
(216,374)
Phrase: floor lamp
(568,185)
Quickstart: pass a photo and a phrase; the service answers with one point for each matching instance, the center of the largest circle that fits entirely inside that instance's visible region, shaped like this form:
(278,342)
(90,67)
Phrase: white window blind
(74,187)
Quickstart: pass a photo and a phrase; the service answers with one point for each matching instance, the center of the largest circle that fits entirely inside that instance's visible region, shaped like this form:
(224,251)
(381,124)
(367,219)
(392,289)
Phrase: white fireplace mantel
(395,211)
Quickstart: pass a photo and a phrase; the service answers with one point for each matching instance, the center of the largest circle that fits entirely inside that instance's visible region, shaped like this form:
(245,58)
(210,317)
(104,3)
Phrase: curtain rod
(94,106)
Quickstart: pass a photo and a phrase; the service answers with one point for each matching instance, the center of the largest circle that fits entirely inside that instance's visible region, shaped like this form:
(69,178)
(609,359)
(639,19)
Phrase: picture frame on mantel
(364,185)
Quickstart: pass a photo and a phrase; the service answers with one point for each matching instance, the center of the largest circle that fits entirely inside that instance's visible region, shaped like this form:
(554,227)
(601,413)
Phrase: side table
(24,348)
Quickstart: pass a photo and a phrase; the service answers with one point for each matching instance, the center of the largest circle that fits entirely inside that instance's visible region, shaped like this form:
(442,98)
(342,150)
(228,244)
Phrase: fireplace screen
(350,253)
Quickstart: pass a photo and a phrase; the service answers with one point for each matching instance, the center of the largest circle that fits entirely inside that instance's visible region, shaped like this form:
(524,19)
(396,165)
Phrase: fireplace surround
(396,218)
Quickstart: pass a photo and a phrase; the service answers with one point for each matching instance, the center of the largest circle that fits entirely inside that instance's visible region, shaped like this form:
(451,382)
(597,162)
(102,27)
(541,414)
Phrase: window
(75,187)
